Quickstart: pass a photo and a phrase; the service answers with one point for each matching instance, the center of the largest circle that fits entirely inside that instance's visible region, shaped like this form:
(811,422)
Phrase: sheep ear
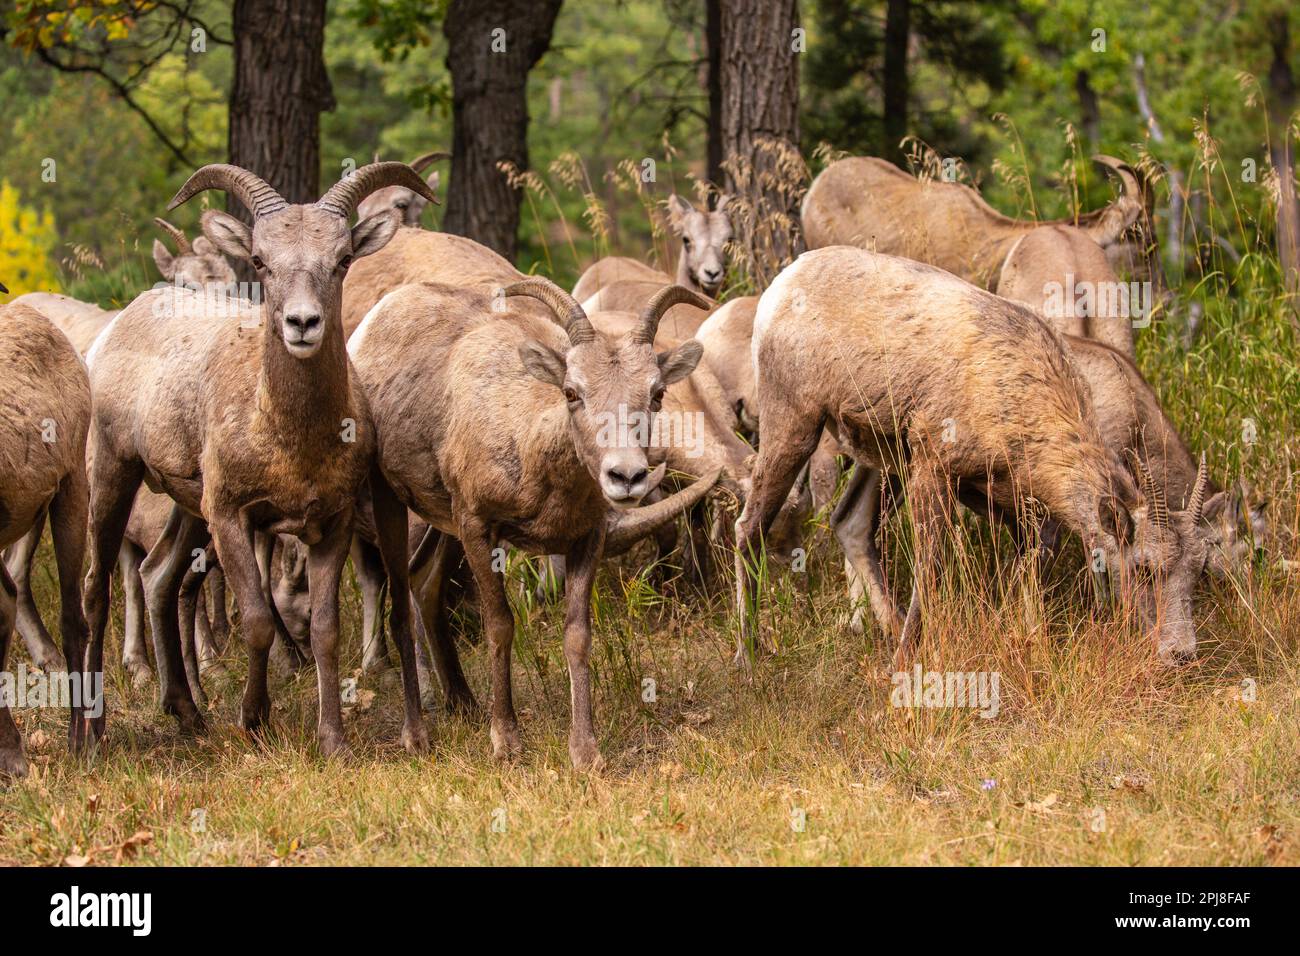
(228,234)
(543,363)
(723,201)
(372,234)
(680,362)
(678,210)
(164,261)
(433,181)
(1214,507)
(1115,519)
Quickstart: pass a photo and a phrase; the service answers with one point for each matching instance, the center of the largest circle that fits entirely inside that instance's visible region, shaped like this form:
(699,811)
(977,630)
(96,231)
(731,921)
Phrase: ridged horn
(421,163)
(345,195)
(625,528)
(565,307)
(665,299)
(1196,504)
(1127,175)
(183,247)
(249,188)
(1154,495)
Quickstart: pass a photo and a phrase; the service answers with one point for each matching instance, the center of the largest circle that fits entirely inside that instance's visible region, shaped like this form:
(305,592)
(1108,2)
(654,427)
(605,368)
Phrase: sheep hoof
(586,756)
(415,738)
(506,745)
(13,764)
(139,672)
(332,743)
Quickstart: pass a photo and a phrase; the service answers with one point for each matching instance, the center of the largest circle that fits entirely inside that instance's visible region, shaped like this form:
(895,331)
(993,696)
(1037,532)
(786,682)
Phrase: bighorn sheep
(701,267)
(496,425)
(870,203)
(196,265)
(407,202)
(44,417)
(914,370)
(629,295)
(251,417)
(1064,276)
(1134,427)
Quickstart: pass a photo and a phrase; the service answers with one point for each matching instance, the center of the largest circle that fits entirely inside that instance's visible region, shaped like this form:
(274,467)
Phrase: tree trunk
(1089,107)
(760,130)
(713,36)
(1281,106)
(897,35)
(280,88)
(491,46)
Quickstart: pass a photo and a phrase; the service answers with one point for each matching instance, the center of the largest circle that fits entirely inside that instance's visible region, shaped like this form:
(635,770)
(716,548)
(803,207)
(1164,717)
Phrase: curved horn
(182,244)
(565,307)
(1196,504)
(1128,177)
(249,188)
(624,528)
(664,300)
(421,163)
(1108,224)
(1154,494)
(345,195)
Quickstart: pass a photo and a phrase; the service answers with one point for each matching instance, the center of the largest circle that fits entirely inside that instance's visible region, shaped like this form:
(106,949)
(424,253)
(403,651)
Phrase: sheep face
(408,203)
(197,269)
(301,254)
(1224,529)
(614,389)
(704,238)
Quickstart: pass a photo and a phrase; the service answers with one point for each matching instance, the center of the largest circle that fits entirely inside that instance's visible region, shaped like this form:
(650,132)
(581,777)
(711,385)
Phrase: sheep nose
(303,322)
(626,476)
(711,275)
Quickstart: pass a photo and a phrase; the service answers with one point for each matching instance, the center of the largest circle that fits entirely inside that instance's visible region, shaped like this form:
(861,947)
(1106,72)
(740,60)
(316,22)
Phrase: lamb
(510,434)
(1064,276)
(44,417)
(407,202)
(701,267)
(252,418)
(915,371)
(870,203)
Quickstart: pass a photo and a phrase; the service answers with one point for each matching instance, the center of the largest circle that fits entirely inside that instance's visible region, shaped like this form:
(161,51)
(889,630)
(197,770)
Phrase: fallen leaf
(1040,806)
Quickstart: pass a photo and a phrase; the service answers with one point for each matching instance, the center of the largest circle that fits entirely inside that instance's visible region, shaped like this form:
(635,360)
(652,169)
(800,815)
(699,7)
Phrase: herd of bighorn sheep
(410,399)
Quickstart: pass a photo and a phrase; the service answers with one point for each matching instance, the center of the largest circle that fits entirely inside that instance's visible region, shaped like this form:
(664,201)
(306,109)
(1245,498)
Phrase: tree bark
(713,37)
(1089,107)
(898,31)
(1281,106)
(281,87)
(492,45)
(760,130)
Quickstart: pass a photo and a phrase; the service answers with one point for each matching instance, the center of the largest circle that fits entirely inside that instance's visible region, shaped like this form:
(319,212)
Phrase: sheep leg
(430,573)
(113,484)
(19,558)
(188,615)
(855,521)
(236,550)
(499,626)
(69,514)
(12,761)
(784,447)
(368,564)
(928,500)
(135,658)
(582,560)
(288,653)
(325,560)
(394,546)
(163,572)
(216,608)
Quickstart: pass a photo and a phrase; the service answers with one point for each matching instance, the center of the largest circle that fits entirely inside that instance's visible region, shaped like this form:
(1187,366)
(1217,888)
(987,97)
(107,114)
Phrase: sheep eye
(571,396)
(345,262)
(403,204)
(657,398)
(686,242)
(258,264)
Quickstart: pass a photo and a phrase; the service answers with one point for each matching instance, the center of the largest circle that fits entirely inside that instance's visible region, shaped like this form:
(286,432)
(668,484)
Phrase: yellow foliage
(27,240)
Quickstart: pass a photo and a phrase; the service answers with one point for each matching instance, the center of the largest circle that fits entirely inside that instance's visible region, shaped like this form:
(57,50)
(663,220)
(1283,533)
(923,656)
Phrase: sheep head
(704,238)
(407,202)
(614,386)
(194,266)
(301,252)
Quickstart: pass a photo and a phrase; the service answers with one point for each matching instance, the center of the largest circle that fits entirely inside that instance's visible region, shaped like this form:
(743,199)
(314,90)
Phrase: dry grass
(1097,755)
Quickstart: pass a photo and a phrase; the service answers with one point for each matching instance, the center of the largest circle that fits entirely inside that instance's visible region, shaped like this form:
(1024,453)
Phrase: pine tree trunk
(1282,105)
(491,46)
(898,31)
(760,130)
(281,87)
(713,37)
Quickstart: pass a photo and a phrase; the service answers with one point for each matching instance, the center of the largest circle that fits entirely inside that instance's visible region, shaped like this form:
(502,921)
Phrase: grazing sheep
(495,425)
(701,267)
(407,202)
(870,203)
(917,372)
(44,416)
(1064,276)
(251,417)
